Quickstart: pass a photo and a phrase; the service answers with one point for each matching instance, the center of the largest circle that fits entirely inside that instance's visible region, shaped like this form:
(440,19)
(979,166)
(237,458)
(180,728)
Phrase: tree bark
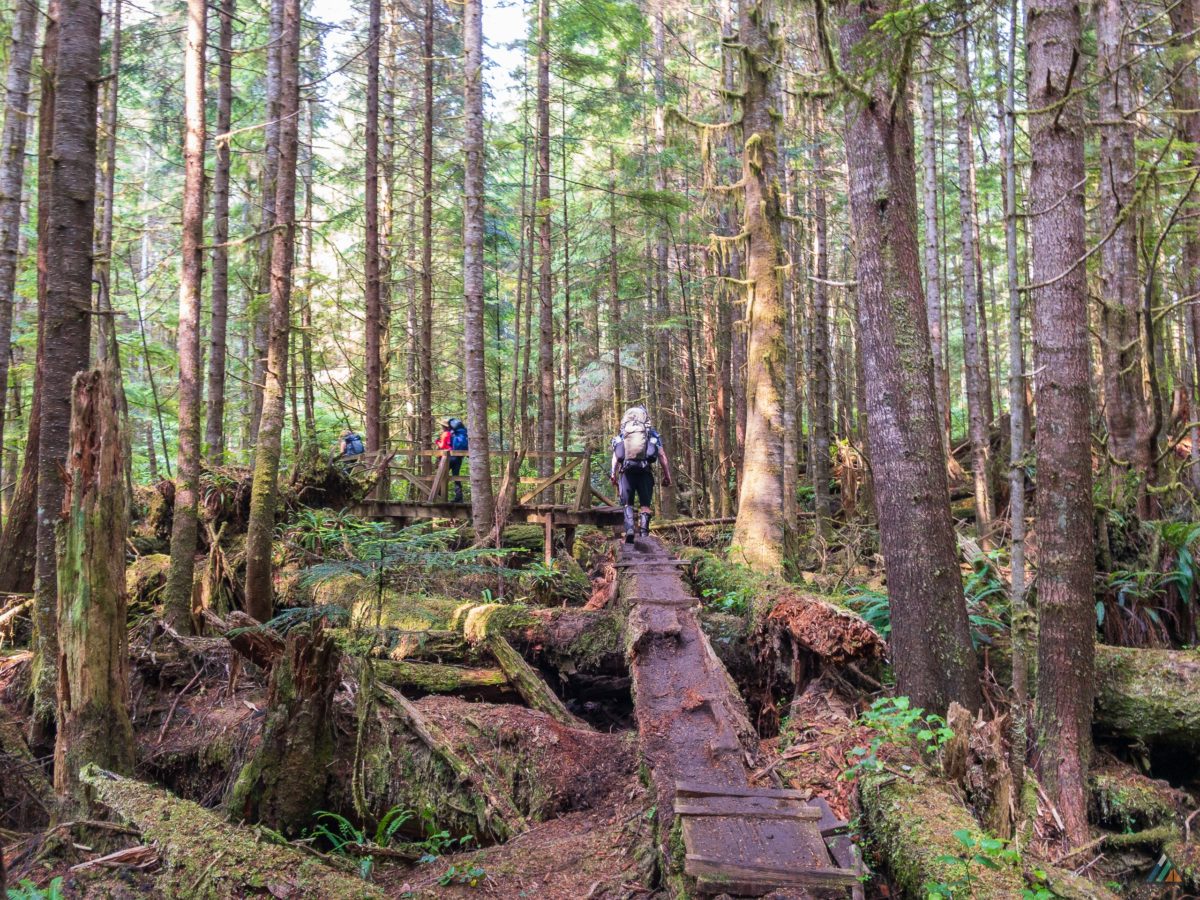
(546,430)
(12,179)
(214,425)
(71,207)
(265,490)
(93,663)
(760,533)
(663,361)
(933,665)
(374,361)
(260,312)
(933,283)
(184,523)
(821,425)
(1060,335)
(1125,410)
(482,505)
(425,345)
(974,359)
(18,544)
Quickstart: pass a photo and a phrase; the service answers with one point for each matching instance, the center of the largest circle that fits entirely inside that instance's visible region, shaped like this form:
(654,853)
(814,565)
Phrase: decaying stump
(286,778)
(93,655)
(207,858)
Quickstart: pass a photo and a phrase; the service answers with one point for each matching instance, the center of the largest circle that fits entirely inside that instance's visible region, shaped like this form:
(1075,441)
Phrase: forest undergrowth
(423,717)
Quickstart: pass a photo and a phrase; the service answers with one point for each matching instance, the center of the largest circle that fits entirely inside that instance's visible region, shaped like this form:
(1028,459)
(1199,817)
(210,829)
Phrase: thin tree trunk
(664,375)
(93,664)
(1125,409)
(1066,614)
(106,330)
(546,398)
(374,361)
(425,345)
(974,358)
(214,426)
(482,505)
(184,524)
(306,317)
(265,491)
(13,137)
(933,666)
(760,533)
(821,424)
(260,309)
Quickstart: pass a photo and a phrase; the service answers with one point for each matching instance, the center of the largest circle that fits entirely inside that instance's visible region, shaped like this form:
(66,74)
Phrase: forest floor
(548,769)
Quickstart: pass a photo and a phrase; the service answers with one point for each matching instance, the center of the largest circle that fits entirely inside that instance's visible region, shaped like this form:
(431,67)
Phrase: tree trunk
(933,283)
(482,506)
(260,313)
(18,544)
(1125,410)
(425,345)
(265,492)
(933,667)
(214,425)
(1067,619)
(374,361)
(70,208)
(184,524)
(760,534)
(821,425)
(93,664)
(546,398)
(1018,411)
(12,180)
(974,359)
(663,362)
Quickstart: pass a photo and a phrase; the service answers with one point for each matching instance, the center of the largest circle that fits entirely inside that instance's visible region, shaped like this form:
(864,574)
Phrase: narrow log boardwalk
(697,743)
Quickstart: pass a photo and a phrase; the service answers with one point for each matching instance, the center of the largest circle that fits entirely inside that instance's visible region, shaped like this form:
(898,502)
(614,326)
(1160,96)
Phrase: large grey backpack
(635,435)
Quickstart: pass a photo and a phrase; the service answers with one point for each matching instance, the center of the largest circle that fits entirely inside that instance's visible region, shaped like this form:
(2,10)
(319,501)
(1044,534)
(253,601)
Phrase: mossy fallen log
(422,678)
(1124,799)
(1151,696)
(204,857)
(912,822)
(529,684)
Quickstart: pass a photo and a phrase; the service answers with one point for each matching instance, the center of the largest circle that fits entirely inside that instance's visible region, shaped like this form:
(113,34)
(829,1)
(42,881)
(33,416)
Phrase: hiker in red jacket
(454,438)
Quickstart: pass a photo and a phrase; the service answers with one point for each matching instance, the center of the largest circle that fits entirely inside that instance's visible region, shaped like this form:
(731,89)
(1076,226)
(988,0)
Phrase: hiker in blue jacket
(454,438)
(350,447)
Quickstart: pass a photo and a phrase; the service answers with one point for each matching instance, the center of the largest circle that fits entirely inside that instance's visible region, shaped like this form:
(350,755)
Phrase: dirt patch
(593,854)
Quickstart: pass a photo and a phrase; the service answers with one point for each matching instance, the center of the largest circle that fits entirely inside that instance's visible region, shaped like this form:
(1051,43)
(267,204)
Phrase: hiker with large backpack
(453,443)
(350,447)
(635,450)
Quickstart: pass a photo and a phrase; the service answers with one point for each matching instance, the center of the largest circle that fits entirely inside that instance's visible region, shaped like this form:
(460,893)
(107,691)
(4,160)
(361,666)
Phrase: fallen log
(421,678)
(1152,696)
(529,684)
(204,857)
(912,822)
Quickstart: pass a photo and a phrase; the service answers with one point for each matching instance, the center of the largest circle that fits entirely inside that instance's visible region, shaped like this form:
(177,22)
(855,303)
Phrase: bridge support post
(548,542)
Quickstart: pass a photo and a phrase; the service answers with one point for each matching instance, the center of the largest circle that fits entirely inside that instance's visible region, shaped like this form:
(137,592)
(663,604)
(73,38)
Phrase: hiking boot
(629,525)
(644,525)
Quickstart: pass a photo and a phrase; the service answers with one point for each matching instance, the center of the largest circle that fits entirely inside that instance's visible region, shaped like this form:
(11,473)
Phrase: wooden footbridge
(417,484)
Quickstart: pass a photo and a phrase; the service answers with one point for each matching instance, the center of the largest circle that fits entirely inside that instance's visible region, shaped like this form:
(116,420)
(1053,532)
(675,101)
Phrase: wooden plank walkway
(696,739)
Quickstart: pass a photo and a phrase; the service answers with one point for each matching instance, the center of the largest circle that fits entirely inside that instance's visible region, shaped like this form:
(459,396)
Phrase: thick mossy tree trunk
(760,536)
(93,663)
(935,662)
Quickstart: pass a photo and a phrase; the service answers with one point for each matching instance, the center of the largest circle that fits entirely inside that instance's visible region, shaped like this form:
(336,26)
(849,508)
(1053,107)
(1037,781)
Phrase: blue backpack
(458,436)
(354,445)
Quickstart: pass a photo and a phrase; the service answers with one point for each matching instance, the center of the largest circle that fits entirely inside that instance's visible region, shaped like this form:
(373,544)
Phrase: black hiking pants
(639,483)
(455,467)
